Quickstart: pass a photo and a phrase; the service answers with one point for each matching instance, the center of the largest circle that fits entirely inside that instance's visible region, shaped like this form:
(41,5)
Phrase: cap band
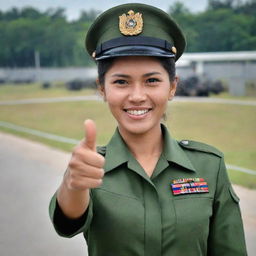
(129,41)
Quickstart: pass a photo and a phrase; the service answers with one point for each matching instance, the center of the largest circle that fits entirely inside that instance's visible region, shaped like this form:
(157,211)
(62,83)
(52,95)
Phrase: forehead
(135,64)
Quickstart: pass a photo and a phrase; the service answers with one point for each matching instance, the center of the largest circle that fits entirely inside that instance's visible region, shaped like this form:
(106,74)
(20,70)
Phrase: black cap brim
(134,50)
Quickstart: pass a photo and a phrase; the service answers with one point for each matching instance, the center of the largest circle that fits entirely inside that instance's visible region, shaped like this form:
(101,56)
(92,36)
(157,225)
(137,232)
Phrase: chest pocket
(193,213)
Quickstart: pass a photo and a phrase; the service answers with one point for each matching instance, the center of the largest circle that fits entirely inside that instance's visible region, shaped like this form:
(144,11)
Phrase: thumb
(90,134)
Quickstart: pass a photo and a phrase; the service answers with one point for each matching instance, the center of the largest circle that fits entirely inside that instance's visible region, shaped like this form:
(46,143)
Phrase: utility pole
(37,65)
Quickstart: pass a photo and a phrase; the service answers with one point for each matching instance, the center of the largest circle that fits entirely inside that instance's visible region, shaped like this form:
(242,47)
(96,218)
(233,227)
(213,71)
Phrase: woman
(144,193)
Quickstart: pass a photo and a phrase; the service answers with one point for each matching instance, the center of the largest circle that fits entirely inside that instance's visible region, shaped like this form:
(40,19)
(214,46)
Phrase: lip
(136,108)
(137,113)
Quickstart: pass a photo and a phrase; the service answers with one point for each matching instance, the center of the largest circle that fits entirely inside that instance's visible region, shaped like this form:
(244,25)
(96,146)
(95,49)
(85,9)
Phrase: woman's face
(137,90)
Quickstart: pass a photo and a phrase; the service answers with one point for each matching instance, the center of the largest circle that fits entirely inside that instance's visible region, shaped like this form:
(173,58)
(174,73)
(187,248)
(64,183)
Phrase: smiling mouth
(138,112)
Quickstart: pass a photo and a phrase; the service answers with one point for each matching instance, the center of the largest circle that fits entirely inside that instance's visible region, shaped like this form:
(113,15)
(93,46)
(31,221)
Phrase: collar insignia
(189,186)
(131,24)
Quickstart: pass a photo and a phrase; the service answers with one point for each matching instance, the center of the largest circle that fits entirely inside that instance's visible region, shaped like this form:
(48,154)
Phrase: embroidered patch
(189,186)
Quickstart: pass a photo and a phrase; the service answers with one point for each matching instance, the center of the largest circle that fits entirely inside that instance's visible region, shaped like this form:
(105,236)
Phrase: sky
(74,7)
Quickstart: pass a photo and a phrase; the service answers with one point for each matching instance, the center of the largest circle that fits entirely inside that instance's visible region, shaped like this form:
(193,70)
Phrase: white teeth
(137,112)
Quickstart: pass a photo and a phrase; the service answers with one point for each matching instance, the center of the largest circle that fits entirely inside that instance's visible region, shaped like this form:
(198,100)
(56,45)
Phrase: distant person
(144,193)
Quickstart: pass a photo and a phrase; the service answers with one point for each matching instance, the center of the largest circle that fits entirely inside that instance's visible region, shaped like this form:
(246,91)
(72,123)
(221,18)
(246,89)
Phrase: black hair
(105,64)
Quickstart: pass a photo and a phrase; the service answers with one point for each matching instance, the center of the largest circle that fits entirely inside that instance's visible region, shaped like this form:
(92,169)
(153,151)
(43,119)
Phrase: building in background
(235,69)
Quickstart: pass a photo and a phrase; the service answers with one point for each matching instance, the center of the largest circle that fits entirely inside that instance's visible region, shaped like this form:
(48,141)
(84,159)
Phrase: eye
(152,81)
(120,82)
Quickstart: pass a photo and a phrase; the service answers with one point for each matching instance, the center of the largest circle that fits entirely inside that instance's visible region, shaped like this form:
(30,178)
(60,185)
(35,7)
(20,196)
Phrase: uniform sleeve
(226,229)
(65,226)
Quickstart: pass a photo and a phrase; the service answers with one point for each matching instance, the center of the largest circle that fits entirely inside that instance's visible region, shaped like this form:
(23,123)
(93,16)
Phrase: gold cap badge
(131,24)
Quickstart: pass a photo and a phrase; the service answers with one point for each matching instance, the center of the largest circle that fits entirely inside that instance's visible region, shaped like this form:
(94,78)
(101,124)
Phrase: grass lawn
(34,90)
(231,128)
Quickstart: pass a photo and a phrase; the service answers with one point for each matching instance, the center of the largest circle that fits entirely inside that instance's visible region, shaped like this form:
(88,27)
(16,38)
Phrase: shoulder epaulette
(101,150)
(199,146)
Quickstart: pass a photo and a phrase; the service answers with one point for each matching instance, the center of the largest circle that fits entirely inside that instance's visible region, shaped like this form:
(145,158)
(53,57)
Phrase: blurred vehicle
(78,84)
(196,86)
(46,85)
(2,80)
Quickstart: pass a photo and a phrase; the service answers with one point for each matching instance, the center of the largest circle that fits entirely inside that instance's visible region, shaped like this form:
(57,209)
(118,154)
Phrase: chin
(136,129)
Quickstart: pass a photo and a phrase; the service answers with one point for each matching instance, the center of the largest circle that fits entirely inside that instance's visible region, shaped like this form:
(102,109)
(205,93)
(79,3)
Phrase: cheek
(161,98)
(114,96)
(114,99)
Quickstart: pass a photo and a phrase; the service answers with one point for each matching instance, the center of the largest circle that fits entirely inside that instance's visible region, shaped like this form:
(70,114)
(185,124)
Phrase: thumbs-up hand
(85,169)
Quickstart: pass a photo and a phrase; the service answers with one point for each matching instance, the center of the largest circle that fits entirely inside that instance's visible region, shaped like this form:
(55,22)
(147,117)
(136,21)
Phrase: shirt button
(184,142)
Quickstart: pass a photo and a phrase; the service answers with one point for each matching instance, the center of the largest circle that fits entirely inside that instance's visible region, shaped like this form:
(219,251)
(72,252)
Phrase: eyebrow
(145,75)
(121,75)
(151,74)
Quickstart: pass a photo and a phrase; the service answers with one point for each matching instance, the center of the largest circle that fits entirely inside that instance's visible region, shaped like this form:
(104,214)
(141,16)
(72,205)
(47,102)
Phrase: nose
(137,94)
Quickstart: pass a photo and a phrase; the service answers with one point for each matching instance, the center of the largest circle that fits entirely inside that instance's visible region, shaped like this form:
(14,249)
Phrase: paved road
(29,175)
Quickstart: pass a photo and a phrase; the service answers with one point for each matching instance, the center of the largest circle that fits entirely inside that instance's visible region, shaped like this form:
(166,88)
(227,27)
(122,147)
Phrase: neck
(144,145)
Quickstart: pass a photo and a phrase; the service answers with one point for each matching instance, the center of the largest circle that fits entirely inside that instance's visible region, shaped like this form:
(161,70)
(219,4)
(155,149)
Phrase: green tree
(223,4)
(248,8)
(88,16)
(223,30)
(226,25)
(178,9)
(19,42)
(30,13)
(11,14)
(187,21)
(49,33)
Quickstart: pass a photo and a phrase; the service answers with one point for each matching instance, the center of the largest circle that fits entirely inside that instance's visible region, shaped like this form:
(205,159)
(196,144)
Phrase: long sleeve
(226,228)
(67,227)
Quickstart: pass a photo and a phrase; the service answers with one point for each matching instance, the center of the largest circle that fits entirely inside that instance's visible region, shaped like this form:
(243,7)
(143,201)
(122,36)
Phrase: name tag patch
(189,186)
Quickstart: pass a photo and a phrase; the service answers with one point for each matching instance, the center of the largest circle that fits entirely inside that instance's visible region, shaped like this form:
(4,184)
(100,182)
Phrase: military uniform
(187,207)
(132,214)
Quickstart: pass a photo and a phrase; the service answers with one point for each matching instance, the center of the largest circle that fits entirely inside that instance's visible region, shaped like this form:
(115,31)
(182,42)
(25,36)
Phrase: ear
(101,89)
(173,87)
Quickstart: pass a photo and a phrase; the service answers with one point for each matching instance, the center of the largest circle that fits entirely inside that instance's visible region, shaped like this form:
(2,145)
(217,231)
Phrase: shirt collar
(118,153)
(173,152)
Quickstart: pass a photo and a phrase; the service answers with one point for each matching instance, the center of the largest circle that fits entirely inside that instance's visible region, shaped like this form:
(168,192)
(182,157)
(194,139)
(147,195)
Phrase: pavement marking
(99,98)
(46,135)
(240,169)
(58,138)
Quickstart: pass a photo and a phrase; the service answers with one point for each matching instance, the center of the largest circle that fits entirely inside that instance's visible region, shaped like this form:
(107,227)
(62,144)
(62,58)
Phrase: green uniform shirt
(134,215)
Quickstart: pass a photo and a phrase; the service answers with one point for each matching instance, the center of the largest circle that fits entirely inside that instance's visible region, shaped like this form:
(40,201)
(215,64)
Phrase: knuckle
(98,182)
(101,173)
(102,160)
(94,183)
(72,183)
(79,152)
(72,164)
(75,149)
(83,143)
(72,176)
